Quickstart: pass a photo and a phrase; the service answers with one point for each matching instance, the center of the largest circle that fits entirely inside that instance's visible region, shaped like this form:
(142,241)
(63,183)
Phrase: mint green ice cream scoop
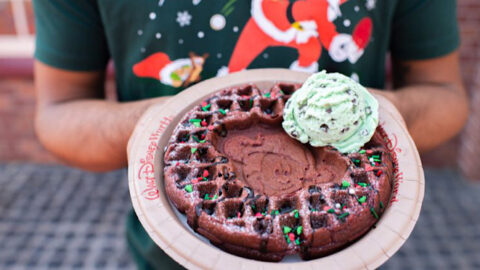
(331,109)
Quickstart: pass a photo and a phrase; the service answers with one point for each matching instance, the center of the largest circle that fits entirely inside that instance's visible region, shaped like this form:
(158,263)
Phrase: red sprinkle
(203,123)
(204,103)
(291,236)
(258,214)
(195,181)
(369,152)
(178,163)
(325,208)
(202,137)
(379,173)
(205,173)
(211,127)
(238,214)
(199,179)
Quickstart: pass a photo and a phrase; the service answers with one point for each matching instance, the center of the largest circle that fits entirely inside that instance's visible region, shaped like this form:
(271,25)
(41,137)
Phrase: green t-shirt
(161,46)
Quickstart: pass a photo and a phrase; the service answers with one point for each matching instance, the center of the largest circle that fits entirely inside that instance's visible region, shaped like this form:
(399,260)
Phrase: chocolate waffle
(253,191)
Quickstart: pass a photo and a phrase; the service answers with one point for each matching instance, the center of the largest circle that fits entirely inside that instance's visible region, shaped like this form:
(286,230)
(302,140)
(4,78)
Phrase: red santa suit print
(177,73)
(305,25)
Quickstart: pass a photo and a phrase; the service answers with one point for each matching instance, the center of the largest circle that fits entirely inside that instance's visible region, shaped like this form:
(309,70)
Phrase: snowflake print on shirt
(184,18)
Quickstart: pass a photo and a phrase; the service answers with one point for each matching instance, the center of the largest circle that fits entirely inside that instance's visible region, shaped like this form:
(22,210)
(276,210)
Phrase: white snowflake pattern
(200,34)
(183,18)
(370,4)
(196,2)
(152,16)
(346,23)
(160,3)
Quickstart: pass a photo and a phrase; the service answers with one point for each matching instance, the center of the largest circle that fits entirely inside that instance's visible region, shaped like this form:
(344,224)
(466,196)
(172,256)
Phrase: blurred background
(44,206)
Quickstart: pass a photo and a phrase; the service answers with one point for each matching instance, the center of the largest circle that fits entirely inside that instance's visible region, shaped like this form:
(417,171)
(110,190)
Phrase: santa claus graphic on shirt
(305,25)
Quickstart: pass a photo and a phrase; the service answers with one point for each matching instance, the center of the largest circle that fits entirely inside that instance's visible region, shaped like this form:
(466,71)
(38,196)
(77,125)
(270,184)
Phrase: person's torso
(161,47)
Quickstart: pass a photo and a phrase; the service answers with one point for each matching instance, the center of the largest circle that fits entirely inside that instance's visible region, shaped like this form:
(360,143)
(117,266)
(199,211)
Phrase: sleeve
(70,35)
(424,29)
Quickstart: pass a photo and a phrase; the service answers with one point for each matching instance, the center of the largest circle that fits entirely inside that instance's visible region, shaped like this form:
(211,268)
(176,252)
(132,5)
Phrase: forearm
(91,134)
(433,113)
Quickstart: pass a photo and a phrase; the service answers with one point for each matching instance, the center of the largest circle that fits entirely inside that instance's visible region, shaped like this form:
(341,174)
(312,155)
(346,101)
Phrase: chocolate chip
(329,110)
(324,128)
(368,110)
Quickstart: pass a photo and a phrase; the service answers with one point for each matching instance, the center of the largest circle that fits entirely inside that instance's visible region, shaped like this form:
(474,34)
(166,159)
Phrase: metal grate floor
(63,218)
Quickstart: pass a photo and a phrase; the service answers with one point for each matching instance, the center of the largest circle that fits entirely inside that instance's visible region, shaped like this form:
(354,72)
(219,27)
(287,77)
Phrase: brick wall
(18,142)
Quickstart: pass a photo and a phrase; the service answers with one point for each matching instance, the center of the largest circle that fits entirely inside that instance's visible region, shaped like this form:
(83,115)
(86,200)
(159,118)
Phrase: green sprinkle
(281,92)
(215,197)
(344,215)
(272,213)
(381,205)
(288,239)
(362,184)
(299,230)
(251,102)
(195,120)
(205,178)
(372,210)
(206,197)
(206,108)
(297,241)
(331,211)
(193,150)
(296,213)
(277,212)
(362,199)
(362,151)
(188,188)
(345,184)
(222,111)
(267,95)
(286,229)
(253,206)
(376,156)
(197,124)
